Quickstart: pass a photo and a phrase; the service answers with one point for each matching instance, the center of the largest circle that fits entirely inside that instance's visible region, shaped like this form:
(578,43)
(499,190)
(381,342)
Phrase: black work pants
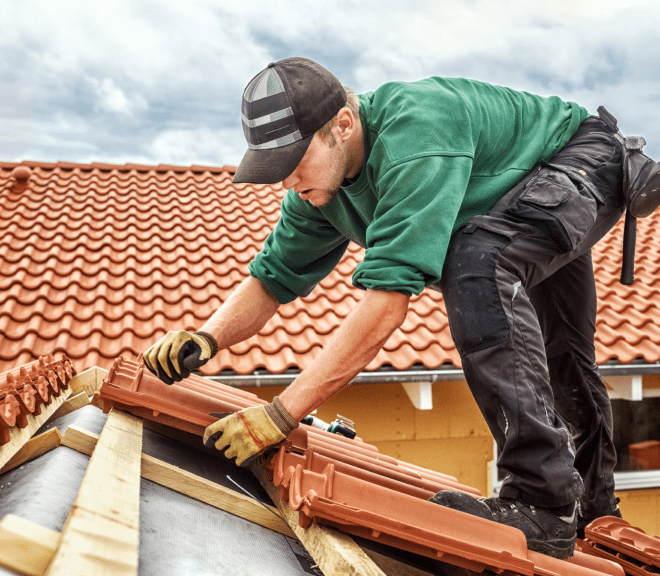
(520,294)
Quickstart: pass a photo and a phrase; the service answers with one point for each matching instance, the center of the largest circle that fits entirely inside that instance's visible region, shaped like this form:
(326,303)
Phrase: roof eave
(263,378)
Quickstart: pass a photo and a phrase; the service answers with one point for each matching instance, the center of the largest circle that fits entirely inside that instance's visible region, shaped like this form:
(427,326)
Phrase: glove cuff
(210,340)
(280,417)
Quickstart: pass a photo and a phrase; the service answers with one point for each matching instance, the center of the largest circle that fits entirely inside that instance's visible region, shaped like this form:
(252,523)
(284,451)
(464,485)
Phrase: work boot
(546,532)
(582,523)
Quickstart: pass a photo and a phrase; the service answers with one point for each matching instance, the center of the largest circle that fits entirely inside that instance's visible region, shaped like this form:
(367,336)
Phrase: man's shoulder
(427,117)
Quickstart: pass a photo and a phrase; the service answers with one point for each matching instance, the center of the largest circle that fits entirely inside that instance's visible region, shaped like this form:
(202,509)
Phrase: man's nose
(290,181)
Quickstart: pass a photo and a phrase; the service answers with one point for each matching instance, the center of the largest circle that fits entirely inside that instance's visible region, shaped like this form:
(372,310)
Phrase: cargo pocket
(561,202)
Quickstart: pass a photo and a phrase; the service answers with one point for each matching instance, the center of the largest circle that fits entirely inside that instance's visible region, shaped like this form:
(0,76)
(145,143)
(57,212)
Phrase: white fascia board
(420,394)
(625,387)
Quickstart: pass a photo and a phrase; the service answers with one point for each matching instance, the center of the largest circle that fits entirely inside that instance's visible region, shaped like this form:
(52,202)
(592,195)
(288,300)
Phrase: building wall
(452,438)
(642,509)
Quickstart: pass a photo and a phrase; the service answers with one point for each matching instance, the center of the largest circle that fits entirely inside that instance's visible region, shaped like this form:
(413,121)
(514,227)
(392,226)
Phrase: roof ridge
(126,166)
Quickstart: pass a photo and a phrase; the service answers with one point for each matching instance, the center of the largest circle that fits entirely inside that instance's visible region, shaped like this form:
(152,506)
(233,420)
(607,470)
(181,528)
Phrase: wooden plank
(25,547)
(190,484)
(100,536)
(88,381)
(34,447)
(71,405)
(393,567)
(19,436)
(335,553)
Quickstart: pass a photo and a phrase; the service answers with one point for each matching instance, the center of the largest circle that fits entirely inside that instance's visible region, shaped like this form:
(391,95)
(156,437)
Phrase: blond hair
(353,104)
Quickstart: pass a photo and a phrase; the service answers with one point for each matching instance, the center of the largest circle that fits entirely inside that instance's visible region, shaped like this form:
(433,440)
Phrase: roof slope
(99,260)
(348,484)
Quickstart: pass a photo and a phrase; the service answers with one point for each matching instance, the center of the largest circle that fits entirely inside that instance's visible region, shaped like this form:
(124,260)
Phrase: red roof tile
(616,540)
(25,389)
(99,260)
(188,405)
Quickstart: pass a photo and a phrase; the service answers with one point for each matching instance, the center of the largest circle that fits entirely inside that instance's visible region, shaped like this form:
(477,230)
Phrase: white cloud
(187,63)
(111,98)
(198,146)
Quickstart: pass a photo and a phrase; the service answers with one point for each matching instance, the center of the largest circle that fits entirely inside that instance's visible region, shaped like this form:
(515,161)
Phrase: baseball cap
(283,106)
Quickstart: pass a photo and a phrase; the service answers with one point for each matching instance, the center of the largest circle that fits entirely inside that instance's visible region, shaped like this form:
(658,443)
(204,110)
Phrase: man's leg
(552,217)
(566,307)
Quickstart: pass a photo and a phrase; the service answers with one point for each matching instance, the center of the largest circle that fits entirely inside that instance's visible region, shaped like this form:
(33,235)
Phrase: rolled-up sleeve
(408,238)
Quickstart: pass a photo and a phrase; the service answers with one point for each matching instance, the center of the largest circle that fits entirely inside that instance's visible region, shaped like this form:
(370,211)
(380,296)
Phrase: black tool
(342,425)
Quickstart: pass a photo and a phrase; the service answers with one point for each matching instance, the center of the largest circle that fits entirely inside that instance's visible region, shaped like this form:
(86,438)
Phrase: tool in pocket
(641,187)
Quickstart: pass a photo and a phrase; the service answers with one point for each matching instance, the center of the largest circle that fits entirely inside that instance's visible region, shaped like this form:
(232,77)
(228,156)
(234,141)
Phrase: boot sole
(561,549)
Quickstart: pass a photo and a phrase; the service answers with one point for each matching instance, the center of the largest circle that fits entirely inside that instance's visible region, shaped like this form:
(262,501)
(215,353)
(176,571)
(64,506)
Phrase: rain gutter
(262,378)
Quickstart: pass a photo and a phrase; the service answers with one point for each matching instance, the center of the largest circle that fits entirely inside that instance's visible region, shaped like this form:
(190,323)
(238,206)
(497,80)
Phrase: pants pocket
(561,203)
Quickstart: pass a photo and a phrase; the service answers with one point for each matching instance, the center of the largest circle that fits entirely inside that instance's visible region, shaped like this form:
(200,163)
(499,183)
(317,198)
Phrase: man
(491,195)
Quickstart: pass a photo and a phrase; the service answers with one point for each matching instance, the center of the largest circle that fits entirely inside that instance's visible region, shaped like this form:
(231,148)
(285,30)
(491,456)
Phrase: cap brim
(272,165)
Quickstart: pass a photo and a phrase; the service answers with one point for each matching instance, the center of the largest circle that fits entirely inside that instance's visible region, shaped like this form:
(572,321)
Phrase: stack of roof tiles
(100,260)
(616,540)
(348,484)
(25,389)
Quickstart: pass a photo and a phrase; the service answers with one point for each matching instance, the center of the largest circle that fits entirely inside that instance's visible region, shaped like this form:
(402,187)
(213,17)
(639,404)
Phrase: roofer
(493,196)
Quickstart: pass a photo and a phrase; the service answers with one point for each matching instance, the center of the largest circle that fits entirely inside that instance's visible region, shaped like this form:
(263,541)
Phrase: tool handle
(629,240)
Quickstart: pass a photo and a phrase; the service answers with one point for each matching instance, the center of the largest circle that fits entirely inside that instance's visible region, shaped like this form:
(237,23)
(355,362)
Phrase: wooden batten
(100,536)
(71,405)
(190,484)
(88,381)
(33,448)
(25,547)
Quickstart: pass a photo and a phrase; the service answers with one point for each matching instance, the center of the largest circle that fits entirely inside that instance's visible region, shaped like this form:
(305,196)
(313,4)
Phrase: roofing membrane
(101,260)
(178,534)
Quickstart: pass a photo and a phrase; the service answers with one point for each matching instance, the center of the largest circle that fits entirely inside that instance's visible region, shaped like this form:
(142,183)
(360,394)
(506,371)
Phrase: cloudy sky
(161,81)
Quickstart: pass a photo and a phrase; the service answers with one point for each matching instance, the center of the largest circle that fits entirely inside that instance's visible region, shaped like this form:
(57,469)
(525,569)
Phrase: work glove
(249,433)
(177,353)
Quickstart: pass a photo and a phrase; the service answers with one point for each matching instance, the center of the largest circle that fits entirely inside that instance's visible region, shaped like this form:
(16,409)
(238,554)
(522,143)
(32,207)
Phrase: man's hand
(248,433)
(177,353)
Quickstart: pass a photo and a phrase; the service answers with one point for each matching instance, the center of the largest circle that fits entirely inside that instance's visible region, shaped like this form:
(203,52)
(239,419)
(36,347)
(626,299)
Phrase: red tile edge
(25,389)
(617,540)
(127,166)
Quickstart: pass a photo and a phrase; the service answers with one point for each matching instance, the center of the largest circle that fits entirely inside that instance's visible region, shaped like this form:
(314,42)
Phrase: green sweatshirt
(438,152)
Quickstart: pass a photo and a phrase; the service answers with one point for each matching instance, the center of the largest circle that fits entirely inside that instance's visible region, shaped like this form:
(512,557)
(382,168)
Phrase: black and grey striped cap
(283,106)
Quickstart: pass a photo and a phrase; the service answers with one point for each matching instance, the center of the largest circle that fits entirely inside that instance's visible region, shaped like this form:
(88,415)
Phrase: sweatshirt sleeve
(302,249)
(408,238)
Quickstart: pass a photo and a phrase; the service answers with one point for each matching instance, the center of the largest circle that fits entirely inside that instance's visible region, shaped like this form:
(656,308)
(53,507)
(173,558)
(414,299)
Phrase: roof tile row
(100,260)
(25,389)
(615,539)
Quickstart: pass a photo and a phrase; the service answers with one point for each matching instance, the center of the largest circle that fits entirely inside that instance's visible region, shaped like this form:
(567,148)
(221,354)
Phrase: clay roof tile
(99,257)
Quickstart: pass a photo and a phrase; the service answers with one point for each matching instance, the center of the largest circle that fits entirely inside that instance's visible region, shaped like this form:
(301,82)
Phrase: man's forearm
(354,345)
(243,314)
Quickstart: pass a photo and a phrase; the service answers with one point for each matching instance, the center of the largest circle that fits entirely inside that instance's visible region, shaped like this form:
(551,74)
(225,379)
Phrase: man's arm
(248,433)
(357,342)
(243,314)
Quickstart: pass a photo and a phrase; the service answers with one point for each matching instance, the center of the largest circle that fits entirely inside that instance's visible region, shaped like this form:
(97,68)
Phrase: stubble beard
(338,177)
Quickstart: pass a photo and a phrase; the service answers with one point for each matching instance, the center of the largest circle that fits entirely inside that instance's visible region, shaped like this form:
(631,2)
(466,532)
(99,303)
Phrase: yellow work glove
(248,433)
(177,353)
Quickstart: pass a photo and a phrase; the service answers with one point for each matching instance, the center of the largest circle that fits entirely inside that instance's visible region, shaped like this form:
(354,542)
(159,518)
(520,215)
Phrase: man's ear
(345,124)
